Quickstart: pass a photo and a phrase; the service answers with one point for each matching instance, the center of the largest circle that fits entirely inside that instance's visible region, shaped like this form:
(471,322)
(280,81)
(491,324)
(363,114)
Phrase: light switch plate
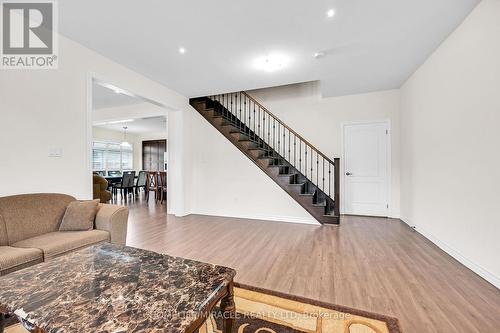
(55,152)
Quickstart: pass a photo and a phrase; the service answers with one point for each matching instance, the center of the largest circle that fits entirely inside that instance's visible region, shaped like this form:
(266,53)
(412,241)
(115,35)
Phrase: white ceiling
(103,97)
(370,45)
(139,126)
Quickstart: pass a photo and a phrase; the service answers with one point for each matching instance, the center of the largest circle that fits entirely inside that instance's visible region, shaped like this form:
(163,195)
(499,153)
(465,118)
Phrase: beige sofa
(29,229)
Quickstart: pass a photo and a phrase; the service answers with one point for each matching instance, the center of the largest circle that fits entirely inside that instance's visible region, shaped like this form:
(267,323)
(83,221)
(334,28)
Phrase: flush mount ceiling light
(271,63)
(182,50)
(319,54)
(330,13)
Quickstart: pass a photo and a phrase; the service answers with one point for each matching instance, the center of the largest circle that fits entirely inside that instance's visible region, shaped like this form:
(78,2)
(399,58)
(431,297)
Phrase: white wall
(319,119)
(40,109)
(450,160)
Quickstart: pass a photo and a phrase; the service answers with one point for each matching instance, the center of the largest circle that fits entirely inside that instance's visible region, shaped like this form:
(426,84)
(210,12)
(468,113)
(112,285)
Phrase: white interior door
(366,179)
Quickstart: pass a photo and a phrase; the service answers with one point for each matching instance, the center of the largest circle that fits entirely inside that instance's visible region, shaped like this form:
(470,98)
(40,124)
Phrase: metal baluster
(289,145)
(317,169)
(279,138)
(249,117)
(284,142)
(323,174)
(300,155)
(269,130)
(311,164)
(254,121)
(274,133)
(244,114)
(258,129)
(305,159)
(294,150)
(330,180)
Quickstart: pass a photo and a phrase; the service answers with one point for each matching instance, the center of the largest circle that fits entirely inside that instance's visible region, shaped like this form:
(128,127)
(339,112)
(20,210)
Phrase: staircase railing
(266,128)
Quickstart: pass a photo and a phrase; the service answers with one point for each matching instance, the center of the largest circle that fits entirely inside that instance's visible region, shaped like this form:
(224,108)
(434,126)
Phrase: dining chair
(162,185)
(152,184)
(141,182)
(127,184)
(114,183)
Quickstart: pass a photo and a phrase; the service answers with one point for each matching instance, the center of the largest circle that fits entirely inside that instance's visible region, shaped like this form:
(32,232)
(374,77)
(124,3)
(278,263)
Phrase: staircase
(305,173)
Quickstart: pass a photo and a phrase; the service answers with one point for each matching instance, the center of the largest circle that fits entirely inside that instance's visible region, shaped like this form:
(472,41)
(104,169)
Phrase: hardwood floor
(373,264)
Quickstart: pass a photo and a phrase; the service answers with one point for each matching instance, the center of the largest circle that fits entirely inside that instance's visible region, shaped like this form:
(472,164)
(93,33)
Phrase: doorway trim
(94,77)
(343,126)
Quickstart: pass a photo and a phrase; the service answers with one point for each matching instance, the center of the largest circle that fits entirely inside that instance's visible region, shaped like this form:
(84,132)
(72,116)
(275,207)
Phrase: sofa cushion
(56,243)
(79,216)
(3,233)
(31,215)
(12,258)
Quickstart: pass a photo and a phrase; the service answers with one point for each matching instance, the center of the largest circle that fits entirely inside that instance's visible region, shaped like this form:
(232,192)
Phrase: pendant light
(124,143)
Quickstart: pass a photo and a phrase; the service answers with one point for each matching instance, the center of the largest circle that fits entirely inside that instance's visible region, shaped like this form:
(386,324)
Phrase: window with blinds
(110,156)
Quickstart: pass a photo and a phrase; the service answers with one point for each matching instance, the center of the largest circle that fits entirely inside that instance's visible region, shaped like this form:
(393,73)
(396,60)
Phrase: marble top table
(107,288)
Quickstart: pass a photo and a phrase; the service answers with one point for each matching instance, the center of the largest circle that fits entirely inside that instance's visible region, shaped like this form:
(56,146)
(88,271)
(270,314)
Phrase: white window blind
(111,156)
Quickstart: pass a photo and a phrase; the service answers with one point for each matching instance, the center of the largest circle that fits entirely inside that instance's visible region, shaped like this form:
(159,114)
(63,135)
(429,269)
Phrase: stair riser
(248,144)
(201,105)
(219,121)
(209,113)
(295,189)
(256,153)
(239,136)
(276,171)
(284,181)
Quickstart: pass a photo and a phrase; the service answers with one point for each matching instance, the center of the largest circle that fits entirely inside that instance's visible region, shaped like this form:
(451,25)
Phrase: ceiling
(368,45)
(138,126)
(103,97)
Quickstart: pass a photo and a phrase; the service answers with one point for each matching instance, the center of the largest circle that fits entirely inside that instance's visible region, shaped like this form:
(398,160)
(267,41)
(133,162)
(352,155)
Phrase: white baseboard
(485,274)
(288,219)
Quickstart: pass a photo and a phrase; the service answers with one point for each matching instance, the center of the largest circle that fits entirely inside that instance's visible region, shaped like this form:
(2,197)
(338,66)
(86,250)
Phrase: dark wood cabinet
(153,152)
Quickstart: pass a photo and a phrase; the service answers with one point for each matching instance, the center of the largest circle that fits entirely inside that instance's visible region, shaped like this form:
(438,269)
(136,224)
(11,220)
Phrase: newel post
(336,182)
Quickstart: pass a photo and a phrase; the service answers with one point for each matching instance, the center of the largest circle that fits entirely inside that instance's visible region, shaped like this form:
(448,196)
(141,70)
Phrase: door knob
(348,174)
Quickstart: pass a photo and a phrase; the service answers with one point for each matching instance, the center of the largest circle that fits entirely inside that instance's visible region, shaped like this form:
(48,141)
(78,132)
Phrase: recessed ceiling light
(271,63)
(182,50)
(330,13)
(318,55)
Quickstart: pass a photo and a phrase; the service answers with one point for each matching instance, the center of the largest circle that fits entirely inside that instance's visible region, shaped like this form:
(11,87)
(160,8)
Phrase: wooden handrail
(289,129)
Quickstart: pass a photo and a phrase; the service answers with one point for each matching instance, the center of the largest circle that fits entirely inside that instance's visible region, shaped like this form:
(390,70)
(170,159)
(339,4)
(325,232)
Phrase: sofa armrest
(113,218)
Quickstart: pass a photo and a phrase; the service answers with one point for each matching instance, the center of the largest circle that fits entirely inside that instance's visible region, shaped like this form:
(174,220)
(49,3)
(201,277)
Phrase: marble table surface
(108,288)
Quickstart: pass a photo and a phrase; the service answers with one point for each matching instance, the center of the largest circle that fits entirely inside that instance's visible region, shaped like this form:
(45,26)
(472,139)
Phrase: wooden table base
(228,309)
